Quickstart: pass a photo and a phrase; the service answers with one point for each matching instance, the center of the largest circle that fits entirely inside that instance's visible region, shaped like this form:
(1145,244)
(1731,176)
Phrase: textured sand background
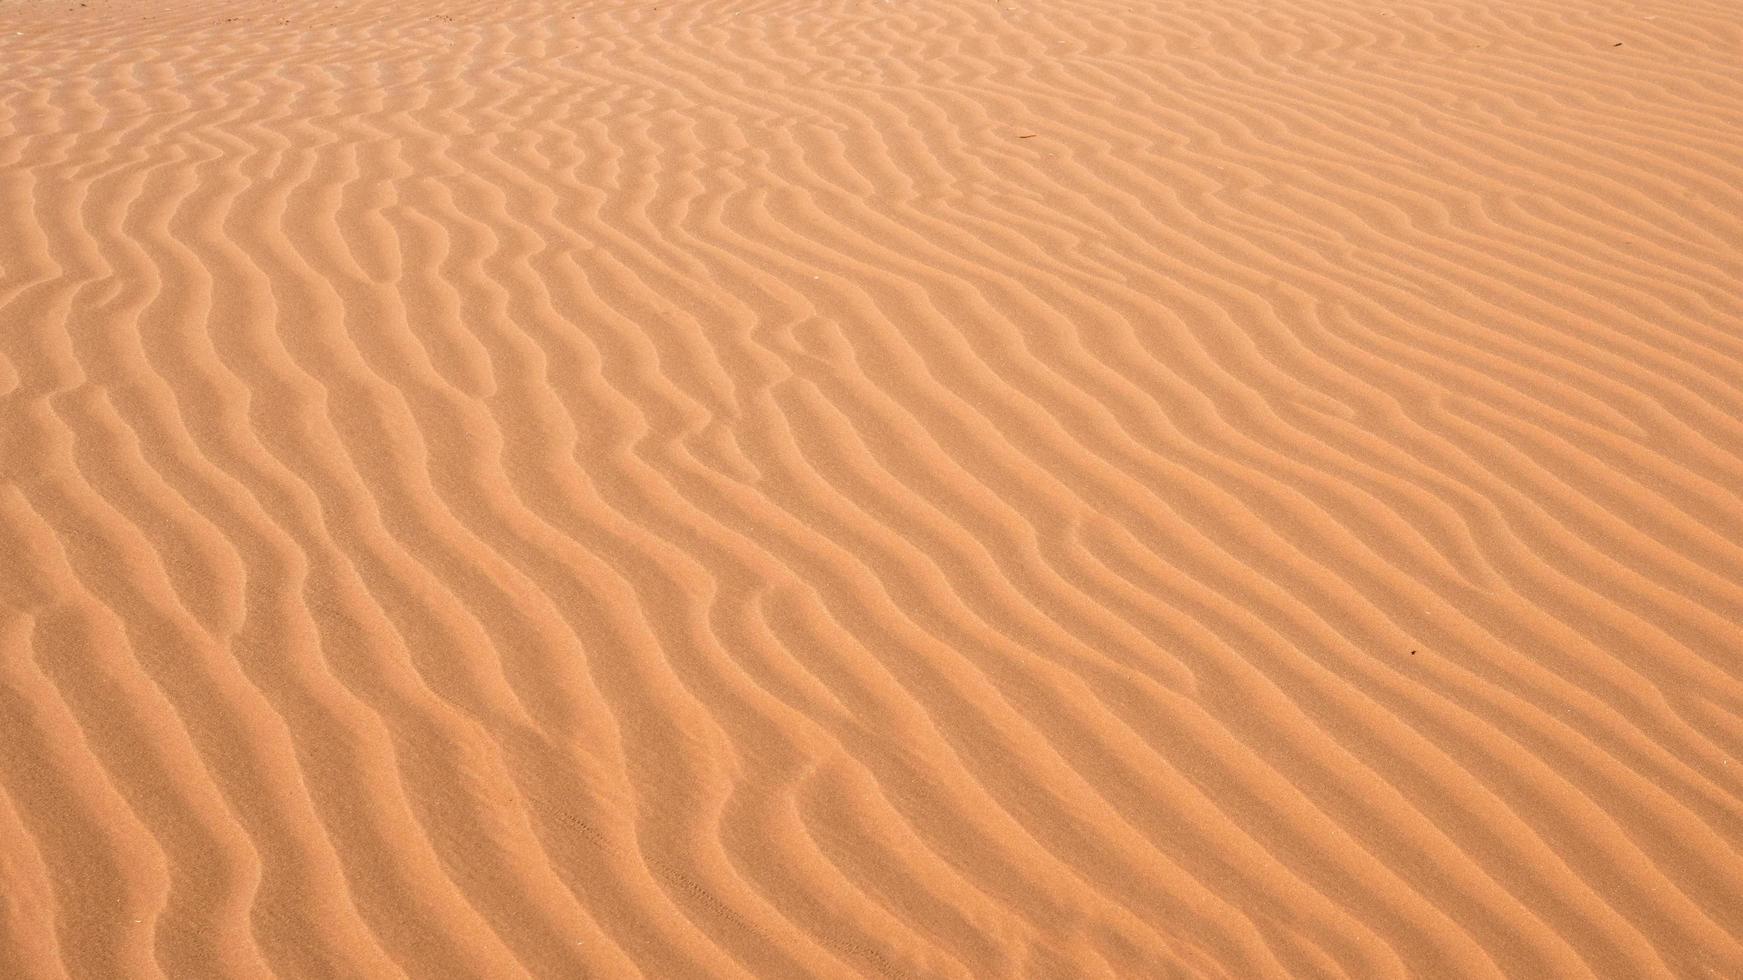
(871,488)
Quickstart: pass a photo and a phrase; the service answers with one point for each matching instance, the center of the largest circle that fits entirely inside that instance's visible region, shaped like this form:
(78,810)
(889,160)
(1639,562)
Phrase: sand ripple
(904,488)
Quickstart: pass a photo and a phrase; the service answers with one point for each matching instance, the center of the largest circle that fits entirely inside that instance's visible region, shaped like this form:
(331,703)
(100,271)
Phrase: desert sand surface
(871,488)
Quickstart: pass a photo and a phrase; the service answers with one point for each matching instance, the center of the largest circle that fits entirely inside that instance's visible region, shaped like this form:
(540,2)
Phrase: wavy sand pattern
(891,488)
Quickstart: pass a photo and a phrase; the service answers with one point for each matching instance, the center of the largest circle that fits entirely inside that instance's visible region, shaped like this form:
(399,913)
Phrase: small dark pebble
(1616,45)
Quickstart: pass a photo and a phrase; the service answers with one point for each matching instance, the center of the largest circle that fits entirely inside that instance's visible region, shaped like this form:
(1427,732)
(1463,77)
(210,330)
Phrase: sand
(890,488)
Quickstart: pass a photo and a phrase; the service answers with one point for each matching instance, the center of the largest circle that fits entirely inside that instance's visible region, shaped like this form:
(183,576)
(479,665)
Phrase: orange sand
(890,488)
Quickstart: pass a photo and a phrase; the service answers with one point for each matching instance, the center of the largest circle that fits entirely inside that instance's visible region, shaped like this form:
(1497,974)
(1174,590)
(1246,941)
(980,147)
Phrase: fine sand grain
(871,488)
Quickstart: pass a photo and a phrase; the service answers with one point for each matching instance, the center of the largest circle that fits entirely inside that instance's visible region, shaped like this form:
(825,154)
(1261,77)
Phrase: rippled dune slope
(889,488)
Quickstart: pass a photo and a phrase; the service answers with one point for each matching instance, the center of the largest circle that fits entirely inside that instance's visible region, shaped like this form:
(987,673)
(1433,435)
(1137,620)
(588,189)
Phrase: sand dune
(900,488)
